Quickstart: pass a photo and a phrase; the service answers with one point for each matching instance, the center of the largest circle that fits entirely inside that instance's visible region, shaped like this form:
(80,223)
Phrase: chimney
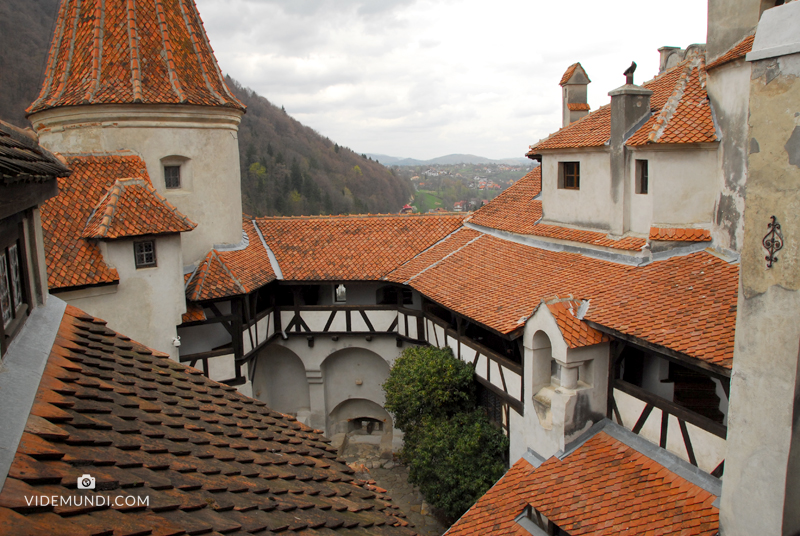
(630,104)
(669,57)
(630,108)
(573,94)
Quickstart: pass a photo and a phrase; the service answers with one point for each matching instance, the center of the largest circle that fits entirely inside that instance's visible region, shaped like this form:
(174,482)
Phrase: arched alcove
(280,380)
(353,374)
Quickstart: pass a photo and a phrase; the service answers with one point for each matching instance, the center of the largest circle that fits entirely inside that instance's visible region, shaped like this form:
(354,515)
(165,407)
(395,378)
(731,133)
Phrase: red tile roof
(194,313)
(576,333)
(131,52)
(739,50)
(569,72)
(73,261)
(229,273)
(686,304)
(685,118)
(682,114)
(680,235)
(208,459)
(132,207)
(578,106)
(516,211)
(431,256)
(494,513)
(604,487)
(351,247)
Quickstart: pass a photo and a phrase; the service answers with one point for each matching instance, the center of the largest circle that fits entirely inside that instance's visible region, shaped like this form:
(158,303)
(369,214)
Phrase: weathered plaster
(148,302)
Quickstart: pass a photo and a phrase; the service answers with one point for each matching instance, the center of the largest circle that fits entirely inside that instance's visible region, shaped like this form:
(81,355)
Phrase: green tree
(297,175)
(455,460)
(454,453)
(428,382)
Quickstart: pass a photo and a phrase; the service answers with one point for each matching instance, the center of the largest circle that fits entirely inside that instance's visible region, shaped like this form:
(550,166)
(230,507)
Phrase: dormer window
(642,177)
(569,175)
(172,177)
(145,253)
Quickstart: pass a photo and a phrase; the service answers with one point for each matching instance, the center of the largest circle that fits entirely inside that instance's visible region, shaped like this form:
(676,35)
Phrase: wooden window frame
(136,253)
(17,289)
(569,175)
(167,169)
(642,171)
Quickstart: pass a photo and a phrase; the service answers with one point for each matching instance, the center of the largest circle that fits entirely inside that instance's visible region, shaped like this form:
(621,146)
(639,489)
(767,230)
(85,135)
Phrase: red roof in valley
(514,210)
(209,460)
(153,52)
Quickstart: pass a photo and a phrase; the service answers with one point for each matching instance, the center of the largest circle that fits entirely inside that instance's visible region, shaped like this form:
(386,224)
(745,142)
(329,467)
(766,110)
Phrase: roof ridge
(228,271)
(671,106)
(169,206)
(165,39)
(62,85)
(133,43)
(112,195)
(204,35)
(203,67)
(97,51)
(435,264)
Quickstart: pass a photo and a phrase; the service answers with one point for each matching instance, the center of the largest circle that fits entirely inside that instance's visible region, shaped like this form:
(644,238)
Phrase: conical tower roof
(131,51)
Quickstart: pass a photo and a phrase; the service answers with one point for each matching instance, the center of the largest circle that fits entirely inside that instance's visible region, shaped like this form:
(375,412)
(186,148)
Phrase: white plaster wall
(591,206)
(320,397)
(572,411)
(280,380)
(353,374)
(148,302)
(729,89)
(206,136)
(640,209)
(684,185)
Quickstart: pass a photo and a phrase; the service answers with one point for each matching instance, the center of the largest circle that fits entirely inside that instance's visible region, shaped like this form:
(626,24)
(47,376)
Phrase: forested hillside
(290,169)
(287,168)
(25,32)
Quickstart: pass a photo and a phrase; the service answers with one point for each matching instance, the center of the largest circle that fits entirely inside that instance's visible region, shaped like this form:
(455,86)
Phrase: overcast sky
(426,78)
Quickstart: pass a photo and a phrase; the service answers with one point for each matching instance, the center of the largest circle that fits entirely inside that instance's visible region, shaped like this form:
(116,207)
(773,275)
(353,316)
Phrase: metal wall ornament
(773,241)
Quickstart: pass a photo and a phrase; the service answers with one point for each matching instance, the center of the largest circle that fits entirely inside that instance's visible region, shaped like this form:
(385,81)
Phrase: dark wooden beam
(704,423)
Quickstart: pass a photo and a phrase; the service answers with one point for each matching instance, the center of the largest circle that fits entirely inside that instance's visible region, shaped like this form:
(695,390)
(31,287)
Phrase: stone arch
(280,381)
(353,373)
(358,414)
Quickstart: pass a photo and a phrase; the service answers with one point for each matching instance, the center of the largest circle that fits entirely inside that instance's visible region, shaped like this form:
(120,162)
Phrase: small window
(569,175)
(14,297)
(5,291)
(642,177)
(145,253)
(172,176)
(339,294)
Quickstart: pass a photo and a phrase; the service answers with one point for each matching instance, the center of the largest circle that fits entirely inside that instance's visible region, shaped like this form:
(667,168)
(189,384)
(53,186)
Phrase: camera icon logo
(86,482)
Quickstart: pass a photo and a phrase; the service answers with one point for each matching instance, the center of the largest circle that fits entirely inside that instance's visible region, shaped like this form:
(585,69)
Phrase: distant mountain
(449,159)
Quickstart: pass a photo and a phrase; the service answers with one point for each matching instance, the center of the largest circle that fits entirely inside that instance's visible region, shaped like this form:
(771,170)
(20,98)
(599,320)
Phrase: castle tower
(141,76)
